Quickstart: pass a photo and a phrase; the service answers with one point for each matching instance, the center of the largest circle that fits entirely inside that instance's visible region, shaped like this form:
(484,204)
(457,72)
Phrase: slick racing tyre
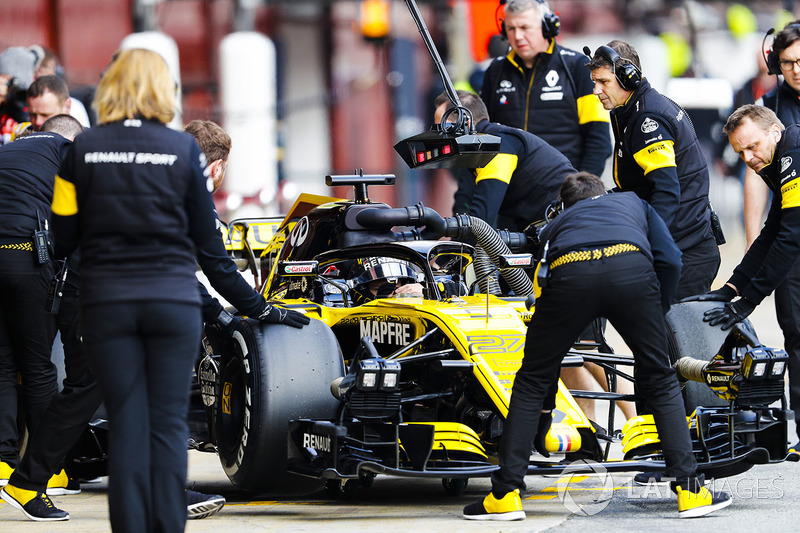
(271,374)
(689,336)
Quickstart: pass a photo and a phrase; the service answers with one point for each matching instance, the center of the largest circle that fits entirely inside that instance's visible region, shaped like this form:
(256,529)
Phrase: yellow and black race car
(418,384)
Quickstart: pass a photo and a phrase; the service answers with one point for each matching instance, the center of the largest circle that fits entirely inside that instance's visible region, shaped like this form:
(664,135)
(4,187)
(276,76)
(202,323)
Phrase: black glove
(545,421)
(729,314)
(225,322)
(278,315)
(723,294)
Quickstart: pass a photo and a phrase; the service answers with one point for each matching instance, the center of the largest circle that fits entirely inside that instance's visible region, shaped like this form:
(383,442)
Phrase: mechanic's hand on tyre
(278,315)
(225,322)
(545,421)
(726,293)
(729,314)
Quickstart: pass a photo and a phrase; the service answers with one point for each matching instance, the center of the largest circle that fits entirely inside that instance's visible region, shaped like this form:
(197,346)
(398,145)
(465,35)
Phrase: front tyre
(271,374)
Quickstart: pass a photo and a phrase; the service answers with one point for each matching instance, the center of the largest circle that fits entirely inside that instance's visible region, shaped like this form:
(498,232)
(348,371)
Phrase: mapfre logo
(785,163)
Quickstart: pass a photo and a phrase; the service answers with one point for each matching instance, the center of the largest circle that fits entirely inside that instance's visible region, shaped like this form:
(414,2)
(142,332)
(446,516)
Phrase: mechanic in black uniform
(543,88)
(516,186)
(785,102)
(658,156)
(133,194)
(27,171)
(759,137)
(610,256)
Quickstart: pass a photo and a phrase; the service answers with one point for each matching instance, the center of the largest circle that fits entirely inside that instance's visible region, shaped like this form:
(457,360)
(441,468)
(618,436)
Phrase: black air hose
(459,227)
(493,245)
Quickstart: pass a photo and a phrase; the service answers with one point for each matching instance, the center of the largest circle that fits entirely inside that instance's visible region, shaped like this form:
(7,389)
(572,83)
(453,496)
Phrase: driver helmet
(369,271)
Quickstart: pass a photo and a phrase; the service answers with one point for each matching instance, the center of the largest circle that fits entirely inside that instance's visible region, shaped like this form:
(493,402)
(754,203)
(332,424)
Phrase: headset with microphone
(551,24)
(628,75)
(773,61)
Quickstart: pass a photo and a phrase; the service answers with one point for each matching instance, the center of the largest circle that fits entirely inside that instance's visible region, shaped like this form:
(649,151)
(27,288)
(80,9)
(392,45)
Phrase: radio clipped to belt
(543,270)
(41,240)
(57,288)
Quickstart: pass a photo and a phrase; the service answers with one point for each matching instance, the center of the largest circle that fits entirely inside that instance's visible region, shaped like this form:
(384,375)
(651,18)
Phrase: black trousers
(787,306)
(142,355)
(699,266)
(26,338)
(625,290)
(69,411)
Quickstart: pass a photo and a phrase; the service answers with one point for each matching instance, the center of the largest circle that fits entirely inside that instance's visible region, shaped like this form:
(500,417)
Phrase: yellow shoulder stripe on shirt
(590,109)
(655,156)
(501,167)
(790,194)
(65,203)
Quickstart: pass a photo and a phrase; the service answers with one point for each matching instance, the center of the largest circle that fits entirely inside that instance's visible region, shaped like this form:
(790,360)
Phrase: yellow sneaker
(700,503)
(5,472)
(36,505)
(507,508)
(60,485)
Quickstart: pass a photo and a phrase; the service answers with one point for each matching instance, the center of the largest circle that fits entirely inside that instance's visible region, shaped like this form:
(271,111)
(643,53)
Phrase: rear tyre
(689,336)
(271,374)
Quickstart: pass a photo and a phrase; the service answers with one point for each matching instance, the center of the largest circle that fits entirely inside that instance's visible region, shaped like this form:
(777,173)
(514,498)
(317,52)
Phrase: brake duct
(460,227)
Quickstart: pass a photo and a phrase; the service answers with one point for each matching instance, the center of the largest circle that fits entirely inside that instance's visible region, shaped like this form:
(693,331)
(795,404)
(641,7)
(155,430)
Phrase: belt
(22,246)
(589,255)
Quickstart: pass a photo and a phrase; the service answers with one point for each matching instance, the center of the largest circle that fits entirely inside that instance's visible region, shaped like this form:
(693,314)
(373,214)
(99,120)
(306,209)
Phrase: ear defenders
(773,60)
(551,24)
(628,75)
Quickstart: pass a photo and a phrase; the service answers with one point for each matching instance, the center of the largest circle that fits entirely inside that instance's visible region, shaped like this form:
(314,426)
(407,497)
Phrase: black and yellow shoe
(36,505)
(5,472)
(507,508)
(700,503)
(61,484)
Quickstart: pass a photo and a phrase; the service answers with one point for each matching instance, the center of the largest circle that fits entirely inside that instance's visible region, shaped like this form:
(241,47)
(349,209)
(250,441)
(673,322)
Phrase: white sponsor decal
(785,162)
(679,116)
(503,100)
(551,78)
(321,443)
(386,332)
(651,139)
(649,125)
(546,97)
(519,261)
(505,84)
(299,232)
(132,123)
(299,269)
(138,158)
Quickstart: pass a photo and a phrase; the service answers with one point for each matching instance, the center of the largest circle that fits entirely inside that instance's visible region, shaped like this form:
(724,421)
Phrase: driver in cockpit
(383,277)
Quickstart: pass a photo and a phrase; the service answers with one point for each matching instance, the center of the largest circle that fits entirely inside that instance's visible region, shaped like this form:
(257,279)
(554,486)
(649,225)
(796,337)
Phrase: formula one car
(419,386)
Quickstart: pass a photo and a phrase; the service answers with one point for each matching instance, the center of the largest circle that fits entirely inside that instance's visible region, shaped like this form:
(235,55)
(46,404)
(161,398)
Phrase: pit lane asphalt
(764,497)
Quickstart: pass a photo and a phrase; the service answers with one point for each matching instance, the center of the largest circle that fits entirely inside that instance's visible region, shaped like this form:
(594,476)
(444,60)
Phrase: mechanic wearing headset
(658,156)
(516,186)
(610,256)
(542,87)
(761,140)
(27,170)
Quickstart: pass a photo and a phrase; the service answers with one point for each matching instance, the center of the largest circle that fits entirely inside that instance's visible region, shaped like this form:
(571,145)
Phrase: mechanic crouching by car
(27,170)
(608,256)
(133,194)
(760,139)
(516,186)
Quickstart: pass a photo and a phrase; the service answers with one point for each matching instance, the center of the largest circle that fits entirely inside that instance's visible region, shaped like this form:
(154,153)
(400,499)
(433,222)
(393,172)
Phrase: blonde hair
(137,84)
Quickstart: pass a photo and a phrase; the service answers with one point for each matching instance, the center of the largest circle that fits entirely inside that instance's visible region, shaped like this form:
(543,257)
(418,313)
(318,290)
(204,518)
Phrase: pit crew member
(785,101)
(542,87)
(516,186)
(27,170)
(761,140)
(658,156)
(610,256)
